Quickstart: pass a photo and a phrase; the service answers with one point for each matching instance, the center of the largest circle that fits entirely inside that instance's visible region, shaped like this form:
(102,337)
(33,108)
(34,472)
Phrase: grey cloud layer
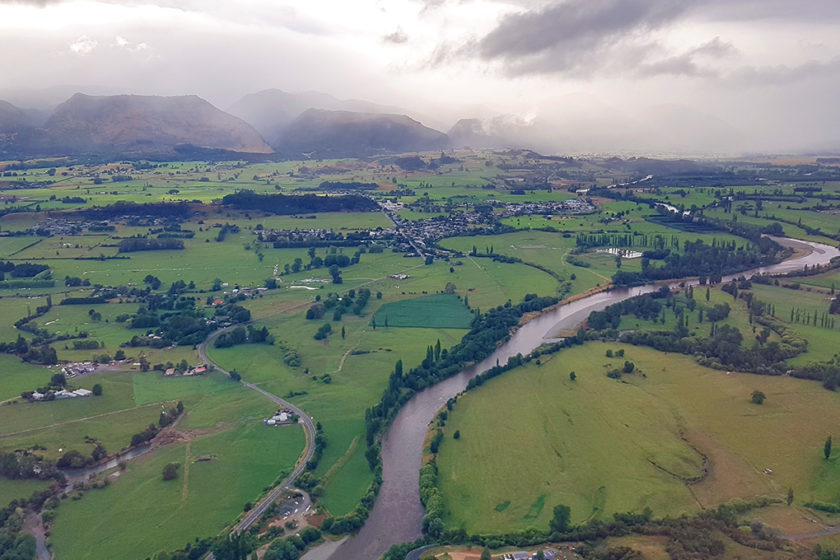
(580,38)
(574,26)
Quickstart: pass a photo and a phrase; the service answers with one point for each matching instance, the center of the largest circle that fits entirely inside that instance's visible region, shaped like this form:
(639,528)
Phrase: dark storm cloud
(582,37)
(574,26)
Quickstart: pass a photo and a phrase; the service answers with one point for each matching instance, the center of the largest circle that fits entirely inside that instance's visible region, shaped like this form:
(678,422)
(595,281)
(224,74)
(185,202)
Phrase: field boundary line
(185,487)
(39,428)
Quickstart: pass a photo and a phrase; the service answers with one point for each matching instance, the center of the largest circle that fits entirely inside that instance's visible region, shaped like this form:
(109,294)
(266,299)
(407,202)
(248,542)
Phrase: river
(397,513)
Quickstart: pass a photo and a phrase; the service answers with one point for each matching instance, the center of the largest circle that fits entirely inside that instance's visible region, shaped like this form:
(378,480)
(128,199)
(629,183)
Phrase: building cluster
(570,206)
(78,368)
(281,416)
(62,394)
(194,370)
(64,226)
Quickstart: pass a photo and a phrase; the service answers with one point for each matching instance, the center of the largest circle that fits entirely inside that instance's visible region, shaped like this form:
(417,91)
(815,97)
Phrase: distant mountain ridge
(137,123)
(271,123)
(12,119)
(272,111)
(324,133)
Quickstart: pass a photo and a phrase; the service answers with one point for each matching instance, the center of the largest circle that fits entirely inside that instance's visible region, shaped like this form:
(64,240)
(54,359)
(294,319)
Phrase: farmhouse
(65,394)
(282,416)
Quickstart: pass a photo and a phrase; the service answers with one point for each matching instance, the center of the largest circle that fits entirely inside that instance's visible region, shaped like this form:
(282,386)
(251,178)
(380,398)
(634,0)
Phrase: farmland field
(438,246)
(533,438)
(139,503)
(445,311)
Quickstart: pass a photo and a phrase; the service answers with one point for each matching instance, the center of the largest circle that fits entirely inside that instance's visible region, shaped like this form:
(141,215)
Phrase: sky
(622,76)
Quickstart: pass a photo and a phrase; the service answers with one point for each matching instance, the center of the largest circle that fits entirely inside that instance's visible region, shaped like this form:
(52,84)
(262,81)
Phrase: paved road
(308,426)
(415,554)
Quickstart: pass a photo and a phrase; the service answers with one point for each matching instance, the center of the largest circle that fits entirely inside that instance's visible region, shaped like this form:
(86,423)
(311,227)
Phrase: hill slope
(271,111)
(345,134)
(12,119)
(146,124)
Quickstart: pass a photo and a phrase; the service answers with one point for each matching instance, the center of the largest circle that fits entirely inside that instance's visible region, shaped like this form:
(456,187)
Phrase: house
(521,556)
(82,392)
(170,371)
(64,394)
(38,396)
(199,370)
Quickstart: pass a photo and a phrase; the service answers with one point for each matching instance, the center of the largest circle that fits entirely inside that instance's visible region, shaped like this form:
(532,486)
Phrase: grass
(15,308)
(358,365)
(62,425)
(368,359)
(119,521)
(441,311)
(17,376)
(154,387)
(591,443)
(17,489)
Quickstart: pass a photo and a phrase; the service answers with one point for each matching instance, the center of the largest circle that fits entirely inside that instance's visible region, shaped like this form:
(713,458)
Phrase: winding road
(308,427)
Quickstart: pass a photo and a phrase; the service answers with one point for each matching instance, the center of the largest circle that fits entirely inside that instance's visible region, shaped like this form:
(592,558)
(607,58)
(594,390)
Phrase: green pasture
(822,341)
(17,489)
(789,229)
(442,311)
(63,424)
(829,280)
(17,376)
(368,357)
(15,308)
(10,246)
(139,514)
(533,438)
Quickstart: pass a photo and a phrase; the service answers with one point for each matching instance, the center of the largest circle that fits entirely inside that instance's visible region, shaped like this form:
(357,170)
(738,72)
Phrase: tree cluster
(240,335)
(134,244)
(299,204)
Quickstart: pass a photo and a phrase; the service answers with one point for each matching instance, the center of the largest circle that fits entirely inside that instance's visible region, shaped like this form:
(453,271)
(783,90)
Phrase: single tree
(170,471)
(572,376)
(97,389)
(827,448)
(485,554)
(790,496)
(757,397)
(560,522)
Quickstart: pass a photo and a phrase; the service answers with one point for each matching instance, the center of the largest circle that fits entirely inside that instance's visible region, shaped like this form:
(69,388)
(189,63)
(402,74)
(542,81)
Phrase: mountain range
(280,125)
(271,122)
